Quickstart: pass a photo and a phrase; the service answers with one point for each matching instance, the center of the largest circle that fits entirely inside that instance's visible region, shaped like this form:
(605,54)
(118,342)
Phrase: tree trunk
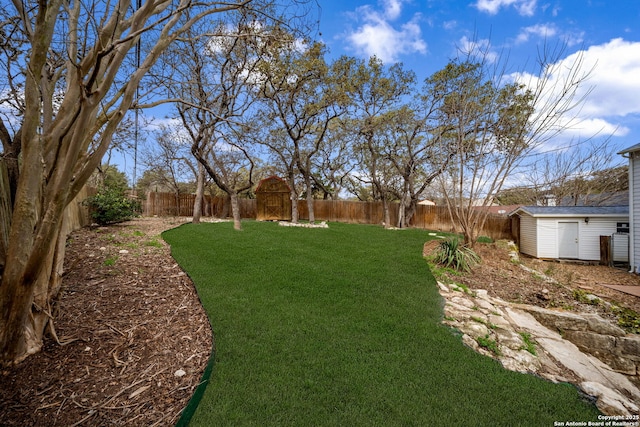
(197,204)
(410,212)
(293,195)
(26,292)
(294,207)
(401,213)
(385,210)
(312,217)
(235,211)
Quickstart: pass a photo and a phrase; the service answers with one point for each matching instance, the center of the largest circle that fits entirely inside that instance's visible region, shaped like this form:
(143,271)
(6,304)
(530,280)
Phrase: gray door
(568,239)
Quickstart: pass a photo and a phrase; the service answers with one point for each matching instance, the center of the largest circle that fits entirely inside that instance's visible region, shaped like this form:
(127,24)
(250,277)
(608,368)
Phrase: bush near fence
(427,217)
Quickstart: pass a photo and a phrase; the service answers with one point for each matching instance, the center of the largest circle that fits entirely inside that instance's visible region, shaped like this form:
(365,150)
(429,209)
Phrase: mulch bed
(134,338)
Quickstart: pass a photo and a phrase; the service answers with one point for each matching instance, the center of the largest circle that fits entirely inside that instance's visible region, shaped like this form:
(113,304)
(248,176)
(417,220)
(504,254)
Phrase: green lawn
(341,327)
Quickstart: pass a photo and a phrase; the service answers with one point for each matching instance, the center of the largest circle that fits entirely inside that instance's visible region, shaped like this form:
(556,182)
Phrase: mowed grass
(341,327)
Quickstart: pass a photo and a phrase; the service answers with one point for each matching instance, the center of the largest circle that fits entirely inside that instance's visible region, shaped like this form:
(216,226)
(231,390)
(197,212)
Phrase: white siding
(539,236)
(589,243)
(547,238)
(634,165)
(620,248)
(528,233)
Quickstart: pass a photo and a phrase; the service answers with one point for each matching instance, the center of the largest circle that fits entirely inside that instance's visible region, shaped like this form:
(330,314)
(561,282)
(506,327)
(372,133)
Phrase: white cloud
(392,8)
(379,36)
(492,7)
(540,30)
(610,93)
(548,31)
(449,25)
(480,49)
(614,83)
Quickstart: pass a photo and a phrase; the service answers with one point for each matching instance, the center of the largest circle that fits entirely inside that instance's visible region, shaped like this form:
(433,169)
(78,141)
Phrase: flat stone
(481,293)
(458,310)
(601,326)
(519,361)
(557,359)
(629,345)
(610,402)
(526,321)
(463,302)
(443,287)
(588,368)
(474,329)
(470,342)
(508,338)
(591,342)
(485,305)
(558,320)
(499,321)
(620,364)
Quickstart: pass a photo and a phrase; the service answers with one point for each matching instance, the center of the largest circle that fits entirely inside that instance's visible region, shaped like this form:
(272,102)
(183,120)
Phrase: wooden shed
(273,200)
(571,232)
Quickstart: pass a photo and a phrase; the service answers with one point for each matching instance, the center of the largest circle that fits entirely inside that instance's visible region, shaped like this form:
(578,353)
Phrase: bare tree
(494,125)
(73,90)
(215,76)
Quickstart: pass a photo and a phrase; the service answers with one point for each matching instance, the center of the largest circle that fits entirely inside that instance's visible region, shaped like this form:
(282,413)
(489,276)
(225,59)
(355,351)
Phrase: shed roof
(572,211)
(631,149)
(273,184)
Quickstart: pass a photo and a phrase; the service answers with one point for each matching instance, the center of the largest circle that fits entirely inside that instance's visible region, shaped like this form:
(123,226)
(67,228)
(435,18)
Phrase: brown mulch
(135,338)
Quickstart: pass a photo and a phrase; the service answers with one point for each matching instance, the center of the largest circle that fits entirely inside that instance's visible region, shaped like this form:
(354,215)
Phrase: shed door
(568,240)
(273,206)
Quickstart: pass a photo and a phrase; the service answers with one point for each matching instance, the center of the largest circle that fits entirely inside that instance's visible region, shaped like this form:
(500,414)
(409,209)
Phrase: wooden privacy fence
(169,204)
(427,217)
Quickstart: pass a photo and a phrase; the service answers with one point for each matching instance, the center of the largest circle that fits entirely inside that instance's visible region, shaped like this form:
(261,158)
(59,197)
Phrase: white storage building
(572,232)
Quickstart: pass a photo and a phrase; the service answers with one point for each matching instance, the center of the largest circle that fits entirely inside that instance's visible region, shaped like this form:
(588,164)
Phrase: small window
(622,227)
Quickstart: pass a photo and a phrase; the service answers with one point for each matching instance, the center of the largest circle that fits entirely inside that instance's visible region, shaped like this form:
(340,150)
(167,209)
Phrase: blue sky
(425,34)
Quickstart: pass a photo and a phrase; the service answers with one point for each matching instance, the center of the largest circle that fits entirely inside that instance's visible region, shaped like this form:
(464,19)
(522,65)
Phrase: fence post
(605,250)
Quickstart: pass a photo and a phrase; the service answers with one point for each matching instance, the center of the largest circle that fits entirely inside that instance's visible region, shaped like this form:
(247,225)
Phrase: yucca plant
(451,253)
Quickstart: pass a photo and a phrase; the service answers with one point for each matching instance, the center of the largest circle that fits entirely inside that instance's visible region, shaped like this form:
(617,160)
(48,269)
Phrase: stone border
(322,224)
(535,340)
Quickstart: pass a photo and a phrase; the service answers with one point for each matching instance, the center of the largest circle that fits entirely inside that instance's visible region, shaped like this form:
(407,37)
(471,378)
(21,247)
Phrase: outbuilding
(273,200)
(572,232)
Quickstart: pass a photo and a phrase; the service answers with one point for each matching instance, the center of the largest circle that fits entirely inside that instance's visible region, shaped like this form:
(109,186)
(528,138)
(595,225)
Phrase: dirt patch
(135,337)
(569,290)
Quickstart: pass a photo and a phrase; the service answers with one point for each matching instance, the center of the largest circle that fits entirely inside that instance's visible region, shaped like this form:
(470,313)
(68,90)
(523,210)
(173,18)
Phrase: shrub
(452,254)
(110,206)
(628,319)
